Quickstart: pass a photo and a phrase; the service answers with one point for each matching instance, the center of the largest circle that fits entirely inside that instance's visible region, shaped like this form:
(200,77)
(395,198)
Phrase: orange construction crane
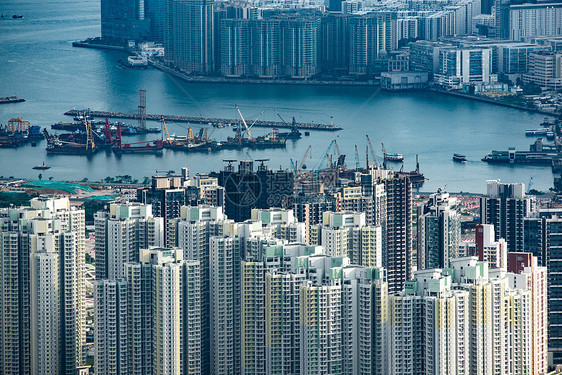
(17,125)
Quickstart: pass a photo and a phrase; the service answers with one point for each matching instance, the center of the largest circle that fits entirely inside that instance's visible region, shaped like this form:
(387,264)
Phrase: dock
(11,99)
(208,120)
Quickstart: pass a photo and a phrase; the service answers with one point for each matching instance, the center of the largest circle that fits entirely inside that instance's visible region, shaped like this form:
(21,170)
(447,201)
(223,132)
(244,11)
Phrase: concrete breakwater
(207,120)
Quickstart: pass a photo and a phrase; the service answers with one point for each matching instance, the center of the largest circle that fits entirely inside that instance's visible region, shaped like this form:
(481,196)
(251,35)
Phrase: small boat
(459,158)
(17,16)
(41,166)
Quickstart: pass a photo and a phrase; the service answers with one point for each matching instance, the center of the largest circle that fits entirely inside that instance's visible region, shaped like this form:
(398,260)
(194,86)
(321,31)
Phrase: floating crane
(295,133)
(244,122)
(165,133)
(90,145)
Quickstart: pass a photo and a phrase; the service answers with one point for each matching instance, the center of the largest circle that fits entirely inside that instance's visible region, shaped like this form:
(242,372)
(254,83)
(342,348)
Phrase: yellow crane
(165,132)
(90,145)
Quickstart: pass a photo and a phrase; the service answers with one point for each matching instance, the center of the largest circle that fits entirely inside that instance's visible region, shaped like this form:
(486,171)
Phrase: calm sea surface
(38,63)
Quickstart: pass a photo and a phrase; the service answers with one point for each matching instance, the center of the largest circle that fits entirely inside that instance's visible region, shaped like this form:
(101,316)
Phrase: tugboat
(459,158)
(41,166)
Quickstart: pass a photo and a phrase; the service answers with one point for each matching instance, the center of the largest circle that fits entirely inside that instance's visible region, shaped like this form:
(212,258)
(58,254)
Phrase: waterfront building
(505,206)
(189,35)
(458,66)
(370,36)
(439,231)
(545,70)
(235,47)
(155,12)
(266,48)
(334,39)
(42,288)
(514,58)
(124,20)
(424,56)
(301,39)
(120,233)
(400,81)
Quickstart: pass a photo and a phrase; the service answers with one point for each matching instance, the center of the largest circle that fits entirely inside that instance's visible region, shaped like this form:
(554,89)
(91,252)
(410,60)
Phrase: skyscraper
(543,231)
(123,20)
(466,318)
(121,233)
(225,305)
(505,206)
(398,241)
(42,288)
(439,231)
(189,35)
(150,322)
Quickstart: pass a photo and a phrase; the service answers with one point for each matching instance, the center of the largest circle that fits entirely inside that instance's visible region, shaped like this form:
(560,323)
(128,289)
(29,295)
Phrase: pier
(11,99)
(207,120)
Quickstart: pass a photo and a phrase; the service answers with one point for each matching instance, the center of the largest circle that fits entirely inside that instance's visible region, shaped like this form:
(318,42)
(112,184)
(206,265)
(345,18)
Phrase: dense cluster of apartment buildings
(328,282)
(353,39)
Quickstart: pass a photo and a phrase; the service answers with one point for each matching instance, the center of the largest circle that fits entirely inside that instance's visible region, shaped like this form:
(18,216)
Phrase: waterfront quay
(207,120)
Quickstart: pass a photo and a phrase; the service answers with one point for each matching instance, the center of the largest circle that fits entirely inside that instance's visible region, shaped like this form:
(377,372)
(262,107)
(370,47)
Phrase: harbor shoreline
(491,101)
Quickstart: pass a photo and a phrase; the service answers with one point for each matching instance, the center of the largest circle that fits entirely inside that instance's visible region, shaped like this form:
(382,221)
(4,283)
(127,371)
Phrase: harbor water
(39,64)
